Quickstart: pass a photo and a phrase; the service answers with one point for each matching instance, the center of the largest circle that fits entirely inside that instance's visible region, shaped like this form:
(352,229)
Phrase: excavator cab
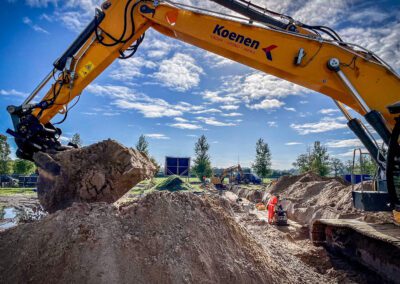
(372,193)
(393,163)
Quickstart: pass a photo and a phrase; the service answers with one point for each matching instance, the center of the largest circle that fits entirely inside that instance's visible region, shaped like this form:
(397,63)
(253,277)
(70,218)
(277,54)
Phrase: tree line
(317,160)
(202,162)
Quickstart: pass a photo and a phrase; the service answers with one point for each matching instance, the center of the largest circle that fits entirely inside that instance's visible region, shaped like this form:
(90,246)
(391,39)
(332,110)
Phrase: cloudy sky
(173,92)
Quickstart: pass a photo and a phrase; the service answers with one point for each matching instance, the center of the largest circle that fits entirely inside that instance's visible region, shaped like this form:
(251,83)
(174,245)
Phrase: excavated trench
(309,197)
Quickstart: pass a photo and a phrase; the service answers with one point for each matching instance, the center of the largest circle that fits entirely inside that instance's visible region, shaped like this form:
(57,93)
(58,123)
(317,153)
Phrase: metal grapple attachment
(30,134)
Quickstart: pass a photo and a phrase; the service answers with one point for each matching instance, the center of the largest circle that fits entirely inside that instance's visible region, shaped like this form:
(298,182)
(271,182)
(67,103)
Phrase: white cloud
(350,153)
(12,92)
(230,107)
(293,143)
(290,109)
(125,98)
(180,73)
(153,109)
(267,104)
(272,124)
(180,119)
(382,40)
(41,3)
(324,125)
(328,111)
(258,85)
(157,136)
(232,114)
(27,21)
(212,121)
(215,97)
(211,110)
(182,125)
(346,143)
(217,61)
(157,48)
(127,69)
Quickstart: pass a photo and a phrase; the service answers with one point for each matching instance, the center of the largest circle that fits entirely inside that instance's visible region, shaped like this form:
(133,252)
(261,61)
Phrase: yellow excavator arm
(292,51)
(271,50)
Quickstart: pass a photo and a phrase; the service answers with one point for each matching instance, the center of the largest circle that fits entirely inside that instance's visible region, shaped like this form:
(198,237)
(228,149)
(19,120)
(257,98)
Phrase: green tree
(348,165)
(5,161)
(316,159)
(76,139)
(337,167)
(142,145)
(304,162)
(368,165)
(262,164)
(320,164)
(202,164)
(23,167)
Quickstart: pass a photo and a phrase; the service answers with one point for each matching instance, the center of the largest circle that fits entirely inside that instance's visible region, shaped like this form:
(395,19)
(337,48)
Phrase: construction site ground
(290,252)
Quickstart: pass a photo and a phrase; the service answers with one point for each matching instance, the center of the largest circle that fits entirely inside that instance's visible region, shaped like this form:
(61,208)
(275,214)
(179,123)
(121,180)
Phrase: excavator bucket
(102,172)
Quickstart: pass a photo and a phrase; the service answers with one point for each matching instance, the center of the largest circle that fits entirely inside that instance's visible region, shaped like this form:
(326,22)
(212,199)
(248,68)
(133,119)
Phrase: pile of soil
(173,183)
(101,172)
(161,238)
(308,197)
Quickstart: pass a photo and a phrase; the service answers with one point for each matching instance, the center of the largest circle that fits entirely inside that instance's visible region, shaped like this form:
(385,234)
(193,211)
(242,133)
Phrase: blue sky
(173,92)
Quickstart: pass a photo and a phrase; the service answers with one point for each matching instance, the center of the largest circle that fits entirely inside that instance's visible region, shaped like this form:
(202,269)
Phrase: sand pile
(308,197)
(162,238)
(102,172)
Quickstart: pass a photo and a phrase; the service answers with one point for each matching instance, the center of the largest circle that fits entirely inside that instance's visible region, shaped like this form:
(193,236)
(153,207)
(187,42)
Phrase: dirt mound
(173,183)
(103,172)
(308,197)
(286,181)
(162,238)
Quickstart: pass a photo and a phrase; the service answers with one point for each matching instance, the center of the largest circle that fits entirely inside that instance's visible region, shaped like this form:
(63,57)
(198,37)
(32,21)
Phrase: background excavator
(312,56)
(232,172)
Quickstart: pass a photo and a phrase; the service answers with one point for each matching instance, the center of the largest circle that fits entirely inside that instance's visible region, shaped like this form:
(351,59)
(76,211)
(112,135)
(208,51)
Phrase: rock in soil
(162,238)
(101,172)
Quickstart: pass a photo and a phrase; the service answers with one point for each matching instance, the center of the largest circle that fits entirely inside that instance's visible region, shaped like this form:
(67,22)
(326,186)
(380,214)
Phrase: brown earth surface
(185,238)
(162,238)
(101,172)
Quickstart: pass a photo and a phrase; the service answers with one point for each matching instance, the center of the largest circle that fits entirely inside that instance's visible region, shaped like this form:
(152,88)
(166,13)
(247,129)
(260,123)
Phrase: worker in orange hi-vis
(272,202)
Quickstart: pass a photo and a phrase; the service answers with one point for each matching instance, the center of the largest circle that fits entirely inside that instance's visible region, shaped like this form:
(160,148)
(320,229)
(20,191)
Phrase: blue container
(354,179)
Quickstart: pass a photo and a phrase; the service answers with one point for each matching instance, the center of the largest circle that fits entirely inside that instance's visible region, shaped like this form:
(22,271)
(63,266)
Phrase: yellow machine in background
(231,173)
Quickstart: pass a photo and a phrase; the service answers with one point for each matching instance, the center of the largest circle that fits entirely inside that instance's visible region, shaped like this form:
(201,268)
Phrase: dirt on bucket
(162,238)
(101,172)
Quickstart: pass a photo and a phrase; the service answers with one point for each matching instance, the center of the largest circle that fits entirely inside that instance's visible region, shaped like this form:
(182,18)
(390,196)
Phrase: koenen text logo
(225,33)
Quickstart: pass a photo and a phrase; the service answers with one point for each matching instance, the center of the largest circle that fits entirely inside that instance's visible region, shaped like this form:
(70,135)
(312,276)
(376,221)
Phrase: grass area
(12,191)
(266,180)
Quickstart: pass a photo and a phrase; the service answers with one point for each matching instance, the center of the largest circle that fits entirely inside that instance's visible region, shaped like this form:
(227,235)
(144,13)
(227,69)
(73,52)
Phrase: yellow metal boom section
(272,51)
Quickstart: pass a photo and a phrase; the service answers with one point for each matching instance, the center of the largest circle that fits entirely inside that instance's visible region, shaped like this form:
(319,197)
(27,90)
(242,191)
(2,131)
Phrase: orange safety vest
(273,200)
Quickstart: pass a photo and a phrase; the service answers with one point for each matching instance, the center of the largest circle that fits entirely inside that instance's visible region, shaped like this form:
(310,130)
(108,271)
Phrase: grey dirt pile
(101,172)
(161,238)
